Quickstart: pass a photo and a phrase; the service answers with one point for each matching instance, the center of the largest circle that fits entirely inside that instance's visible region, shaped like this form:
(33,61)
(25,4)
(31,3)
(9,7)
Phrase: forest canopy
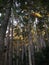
(24,32)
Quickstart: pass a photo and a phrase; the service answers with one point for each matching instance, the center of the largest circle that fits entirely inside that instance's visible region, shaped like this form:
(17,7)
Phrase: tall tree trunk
(17,52)
(11,40)
(29,51)
(8,45)
(4,24)
(7,42)
(29,47)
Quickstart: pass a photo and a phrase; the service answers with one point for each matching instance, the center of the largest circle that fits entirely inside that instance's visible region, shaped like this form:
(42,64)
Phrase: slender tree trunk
(22,50)
(11,41)
(7,42)
(4,24)
(8,46)
(29,50)
(29,47)
(17,59)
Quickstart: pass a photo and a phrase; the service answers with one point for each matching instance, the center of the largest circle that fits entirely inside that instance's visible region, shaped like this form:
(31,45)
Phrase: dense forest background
(24,32)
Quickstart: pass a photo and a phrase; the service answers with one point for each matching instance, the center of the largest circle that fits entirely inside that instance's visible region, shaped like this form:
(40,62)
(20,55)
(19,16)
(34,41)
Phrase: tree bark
(29,47)
(4,24)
